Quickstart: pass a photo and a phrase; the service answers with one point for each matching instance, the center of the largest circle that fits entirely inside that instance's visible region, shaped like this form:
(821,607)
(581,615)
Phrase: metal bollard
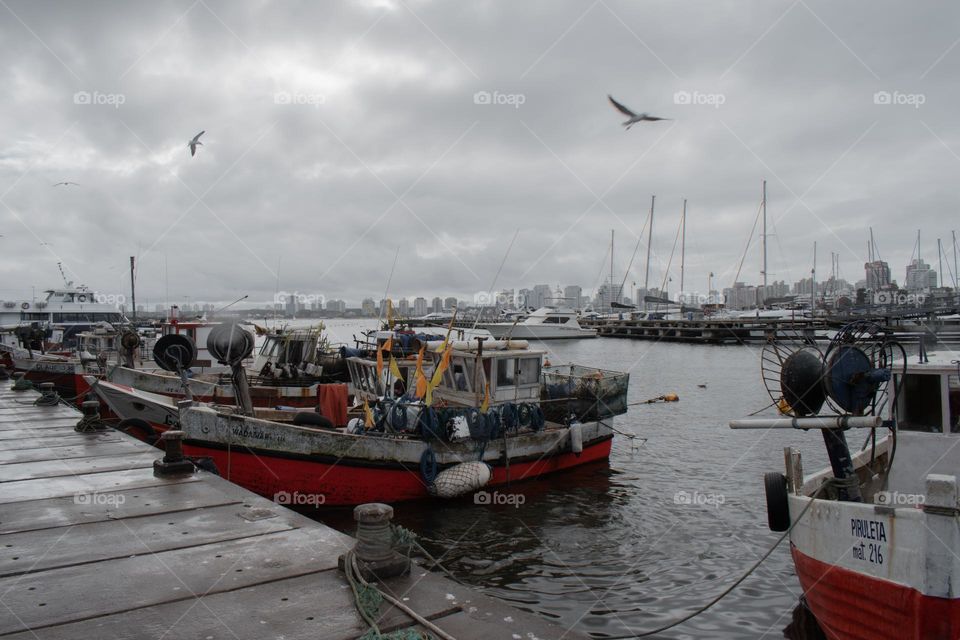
(48,395)
(91,417)
(374,549)
(173,462)
(20,382)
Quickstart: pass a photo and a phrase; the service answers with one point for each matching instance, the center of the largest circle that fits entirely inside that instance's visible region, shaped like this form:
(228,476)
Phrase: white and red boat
(875,538)
(486,420)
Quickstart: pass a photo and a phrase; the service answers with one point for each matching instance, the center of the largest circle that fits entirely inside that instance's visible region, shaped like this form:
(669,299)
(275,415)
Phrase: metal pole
(813,277)
(646,274)
(133,288)
(764,204)
(611,270)
(683,247)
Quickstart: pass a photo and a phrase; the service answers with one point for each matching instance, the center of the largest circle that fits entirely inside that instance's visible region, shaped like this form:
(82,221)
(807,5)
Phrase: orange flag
(421,378)
(438,375)
(486,400)
(368,415)
(386,346)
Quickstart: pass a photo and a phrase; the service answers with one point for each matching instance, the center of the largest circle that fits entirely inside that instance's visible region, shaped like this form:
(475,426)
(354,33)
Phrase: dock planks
(92,544)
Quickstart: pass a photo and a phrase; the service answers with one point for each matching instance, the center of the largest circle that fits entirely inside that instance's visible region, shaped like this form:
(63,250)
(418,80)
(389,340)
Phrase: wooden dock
(94,545)
(738,331)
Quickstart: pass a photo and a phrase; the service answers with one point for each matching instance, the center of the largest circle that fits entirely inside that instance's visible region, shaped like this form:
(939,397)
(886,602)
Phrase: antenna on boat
(497,275)
(62,274)
(230,305)
(387,290)
(133,288)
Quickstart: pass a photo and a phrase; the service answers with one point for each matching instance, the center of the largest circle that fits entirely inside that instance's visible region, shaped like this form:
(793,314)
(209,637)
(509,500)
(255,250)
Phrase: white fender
(576,437)
(461,479)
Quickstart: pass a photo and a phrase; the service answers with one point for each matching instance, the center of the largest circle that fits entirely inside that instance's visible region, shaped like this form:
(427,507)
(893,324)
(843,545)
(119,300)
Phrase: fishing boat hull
(67,376)
(328,467)
(316,466)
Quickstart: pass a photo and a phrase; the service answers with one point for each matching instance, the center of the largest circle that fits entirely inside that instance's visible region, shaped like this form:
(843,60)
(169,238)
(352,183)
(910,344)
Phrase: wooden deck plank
(66,546)
(75,466)
(59,512)
(75,593)
(85,450)
(62,441)
(97,482)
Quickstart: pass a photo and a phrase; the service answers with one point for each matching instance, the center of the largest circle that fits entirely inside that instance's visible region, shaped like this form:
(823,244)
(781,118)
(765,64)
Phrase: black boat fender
(778,507)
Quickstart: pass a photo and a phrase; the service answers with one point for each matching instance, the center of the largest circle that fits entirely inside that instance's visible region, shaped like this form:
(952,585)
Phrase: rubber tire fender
(140,429)
(778,506)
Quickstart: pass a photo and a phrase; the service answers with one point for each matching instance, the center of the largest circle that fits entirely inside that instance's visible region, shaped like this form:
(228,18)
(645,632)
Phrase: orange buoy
(671,397)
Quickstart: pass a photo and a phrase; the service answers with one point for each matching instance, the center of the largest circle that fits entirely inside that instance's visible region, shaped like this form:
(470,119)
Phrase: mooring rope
(728,590)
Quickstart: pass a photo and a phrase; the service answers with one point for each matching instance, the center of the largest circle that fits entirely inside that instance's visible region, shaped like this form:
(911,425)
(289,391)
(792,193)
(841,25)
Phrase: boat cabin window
(506,372)
(528,370)
(555,320)
(920,406)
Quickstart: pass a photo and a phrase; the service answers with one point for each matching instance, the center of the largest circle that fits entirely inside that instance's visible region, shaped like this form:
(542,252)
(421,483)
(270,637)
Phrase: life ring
(82,298)
(25,305)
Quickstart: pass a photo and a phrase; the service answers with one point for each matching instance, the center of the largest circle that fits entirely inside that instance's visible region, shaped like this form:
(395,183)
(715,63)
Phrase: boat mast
(611,271)
(133,289)
(646,274)
(763,203)
(955,274)
(683,246)
(940,260)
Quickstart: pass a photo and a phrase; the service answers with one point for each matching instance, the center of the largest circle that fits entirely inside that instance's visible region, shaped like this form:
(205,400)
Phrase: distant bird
(66,184)
(633,118)
(193,143)
(702,386)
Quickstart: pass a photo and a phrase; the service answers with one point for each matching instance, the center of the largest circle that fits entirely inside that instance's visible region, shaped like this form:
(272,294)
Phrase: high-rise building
(572,293)
(740,296)
(541,295)
(420,307)
(878,275)
(436,306)
(403,306)
(449,303)
(920,277)
(368,307)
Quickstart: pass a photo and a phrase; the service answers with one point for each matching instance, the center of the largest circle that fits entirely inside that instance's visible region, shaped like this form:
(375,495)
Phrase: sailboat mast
(955,274)
(940,260)
(646,274)
(764,205)
(611,270)
(683,245)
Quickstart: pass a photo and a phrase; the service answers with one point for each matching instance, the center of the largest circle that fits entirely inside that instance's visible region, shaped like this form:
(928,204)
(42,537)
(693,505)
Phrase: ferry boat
(483,420)
(546,323)
(875,537)
(60,315)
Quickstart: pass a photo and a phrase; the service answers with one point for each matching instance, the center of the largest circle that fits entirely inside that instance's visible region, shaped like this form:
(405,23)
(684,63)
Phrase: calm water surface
(615,548)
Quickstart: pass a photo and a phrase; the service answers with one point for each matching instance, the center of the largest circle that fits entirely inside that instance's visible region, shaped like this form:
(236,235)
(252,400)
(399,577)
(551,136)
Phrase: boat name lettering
(868,529)
(256,434)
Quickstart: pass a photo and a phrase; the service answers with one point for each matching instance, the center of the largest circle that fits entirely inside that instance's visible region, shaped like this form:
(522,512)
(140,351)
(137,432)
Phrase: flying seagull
(633,118)
(193,143)
(66,184)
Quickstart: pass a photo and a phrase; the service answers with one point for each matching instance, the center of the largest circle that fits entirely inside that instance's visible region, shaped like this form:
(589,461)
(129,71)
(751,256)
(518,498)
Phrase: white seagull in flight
(633,118)
(193,143)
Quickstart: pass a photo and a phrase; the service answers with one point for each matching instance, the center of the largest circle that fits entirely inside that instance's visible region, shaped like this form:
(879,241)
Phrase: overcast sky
(338,132)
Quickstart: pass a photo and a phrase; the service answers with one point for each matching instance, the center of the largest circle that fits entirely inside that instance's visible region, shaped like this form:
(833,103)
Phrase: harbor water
(677,515)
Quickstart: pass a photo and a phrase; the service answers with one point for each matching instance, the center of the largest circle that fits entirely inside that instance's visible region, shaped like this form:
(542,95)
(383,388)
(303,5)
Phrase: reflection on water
(628,546)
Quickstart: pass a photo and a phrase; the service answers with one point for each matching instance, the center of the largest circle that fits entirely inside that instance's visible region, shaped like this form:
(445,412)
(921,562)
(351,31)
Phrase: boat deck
(94,545)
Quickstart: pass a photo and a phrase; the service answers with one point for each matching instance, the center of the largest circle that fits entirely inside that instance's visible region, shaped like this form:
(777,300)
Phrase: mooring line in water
(728,590)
